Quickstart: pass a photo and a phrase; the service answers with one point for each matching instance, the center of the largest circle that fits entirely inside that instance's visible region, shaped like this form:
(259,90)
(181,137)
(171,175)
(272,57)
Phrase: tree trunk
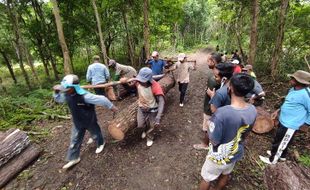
(30,61)
(129,40)
(13,143)
(146,29)
(17,164)
(127,118)
(253,35)
(17,42)
(102,45)
(287,175)
(280,36)
(9,66)
(67,61)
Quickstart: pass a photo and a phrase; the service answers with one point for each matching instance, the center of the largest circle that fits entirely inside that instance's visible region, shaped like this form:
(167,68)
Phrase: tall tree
(146,28)
(18,41)
(278,46)
(253,35)
(8,64)
(67,61)
(102,45)
(128,37)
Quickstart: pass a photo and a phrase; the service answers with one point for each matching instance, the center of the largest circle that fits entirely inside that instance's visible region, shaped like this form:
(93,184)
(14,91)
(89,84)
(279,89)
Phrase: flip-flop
(200,147)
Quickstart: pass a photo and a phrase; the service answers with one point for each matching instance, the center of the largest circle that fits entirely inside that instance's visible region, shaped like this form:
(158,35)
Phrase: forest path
(171,163)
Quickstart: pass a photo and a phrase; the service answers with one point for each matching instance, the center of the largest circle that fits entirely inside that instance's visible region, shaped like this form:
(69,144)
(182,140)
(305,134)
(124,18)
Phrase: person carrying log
(122,71)
(218,98)
(81,104)
(157,65)
(294,113)
(98,73)
(227,129)
(183,68)
(150,103)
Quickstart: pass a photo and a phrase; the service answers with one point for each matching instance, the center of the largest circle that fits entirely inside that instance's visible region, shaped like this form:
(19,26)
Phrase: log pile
(16,153)
(127,118)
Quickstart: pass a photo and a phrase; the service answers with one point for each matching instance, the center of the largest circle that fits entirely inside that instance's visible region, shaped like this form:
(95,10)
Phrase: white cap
(235,61)
(155,53)
(181,56)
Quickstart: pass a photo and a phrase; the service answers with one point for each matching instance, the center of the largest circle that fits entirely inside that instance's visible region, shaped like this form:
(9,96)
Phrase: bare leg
(204,185)
(206,139)
(222,182)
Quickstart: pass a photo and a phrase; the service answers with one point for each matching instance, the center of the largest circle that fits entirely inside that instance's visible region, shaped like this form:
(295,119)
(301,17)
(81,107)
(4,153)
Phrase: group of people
(229,109)
(150,99)
(229,114)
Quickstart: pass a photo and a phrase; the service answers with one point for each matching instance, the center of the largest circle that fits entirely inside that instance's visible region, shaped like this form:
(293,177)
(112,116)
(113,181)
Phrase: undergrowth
(26,112)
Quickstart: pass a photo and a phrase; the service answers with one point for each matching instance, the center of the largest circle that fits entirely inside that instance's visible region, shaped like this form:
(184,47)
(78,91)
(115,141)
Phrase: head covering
(155,53)
(300,76)
(145,75)
(96,58)
(112,62)
(70,81)
(181,56)
(235,61)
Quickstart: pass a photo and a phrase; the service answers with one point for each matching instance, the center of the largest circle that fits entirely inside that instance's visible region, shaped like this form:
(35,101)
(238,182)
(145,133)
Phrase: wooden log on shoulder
(17,164)
(127,118)
(12,143)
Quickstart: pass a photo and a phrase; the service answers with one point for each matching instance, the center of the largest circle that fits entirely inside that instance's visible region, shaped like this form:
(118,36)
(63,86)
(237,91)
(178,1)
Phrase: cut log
(127,118)
(12,143)
(17,164)
(263,123)
(287,176)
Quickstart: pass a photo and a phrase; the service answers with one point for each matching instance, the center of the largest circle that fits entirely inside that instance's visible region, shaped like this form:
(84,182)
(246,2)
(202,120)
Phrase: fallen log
(127,118)
(287,175)
(12,143)
(263,123)
(17,164)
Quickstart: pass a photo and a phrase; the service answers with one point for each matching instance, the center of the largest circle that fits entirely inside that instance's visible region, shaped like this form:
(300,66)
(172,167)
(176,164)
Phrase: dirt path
(171,163)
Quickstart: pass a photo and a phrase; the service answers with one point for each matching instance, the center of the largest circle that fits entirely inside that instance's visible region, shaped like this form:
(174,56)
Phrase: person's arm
(106,74)
(215,130)
(216,102)
(88,75)
(99,100)
(161,105)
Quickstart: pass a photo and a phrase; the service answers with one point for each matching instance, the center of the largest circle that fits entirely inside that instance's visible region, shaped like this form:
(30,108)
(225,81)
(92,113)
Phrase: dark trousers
(182,89)
(99,91)
(281,142)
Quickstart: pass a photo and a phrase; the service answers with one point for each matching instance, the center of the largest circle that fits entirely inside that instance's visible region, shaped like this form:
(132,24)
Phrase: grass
(305,160)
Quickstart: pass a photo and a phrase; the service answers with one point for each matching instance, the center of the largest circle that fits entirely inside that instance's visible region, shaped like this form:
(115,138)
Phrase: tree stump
(263,123)
(17,164)
(287,176)
(127,118)
(12,143)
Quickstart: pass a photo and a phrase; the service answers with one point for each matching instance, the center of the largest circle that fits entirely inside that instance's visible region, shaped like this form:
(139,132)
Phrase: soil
(171,163)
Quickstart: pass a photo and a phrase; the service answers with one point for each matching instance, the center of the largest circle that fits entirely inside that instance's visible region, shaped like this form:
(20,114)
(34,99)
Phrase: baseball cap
(155,53)
(70,81)
(145,75)
(181,56)
(235,61)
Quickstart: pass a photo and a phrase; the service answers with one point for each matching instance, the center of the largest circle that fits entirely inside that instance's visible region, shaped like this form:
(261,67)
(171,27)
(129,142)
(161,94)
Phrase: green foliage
(305,160)
(25,111)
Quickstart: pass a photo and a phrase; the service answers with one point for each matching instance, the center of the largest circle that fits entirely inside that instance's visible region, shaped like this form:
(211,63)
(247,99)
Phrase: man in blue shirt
(294,113)
(157,65)
(227,129)
(97,73)
(82,107)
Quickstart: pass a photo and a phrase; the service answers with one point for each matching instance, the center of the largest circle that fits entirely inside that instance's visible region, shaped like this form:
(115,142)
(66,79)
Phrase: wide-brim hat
(300,76)
(145,75)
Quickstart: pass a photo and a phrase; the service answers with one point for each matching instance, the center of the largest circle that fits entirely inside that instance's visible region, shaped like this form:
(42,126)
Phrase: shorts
(211,171)
(205,124)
